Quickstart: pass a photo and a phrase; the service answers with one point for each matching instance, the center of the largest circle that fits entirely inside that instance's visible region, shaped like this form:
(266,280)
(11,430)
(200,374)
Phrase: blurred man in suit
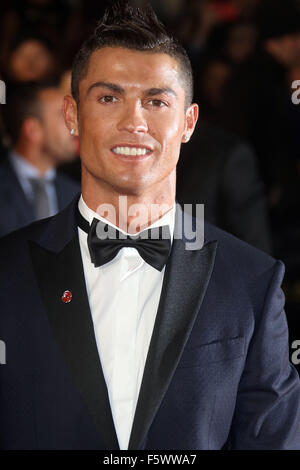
(256,102)
(31,187)
(218,169)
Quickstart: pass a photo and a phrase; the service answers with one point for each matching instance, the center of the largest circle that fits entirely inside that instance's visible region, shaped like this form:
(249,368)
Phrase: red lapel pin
(66,297)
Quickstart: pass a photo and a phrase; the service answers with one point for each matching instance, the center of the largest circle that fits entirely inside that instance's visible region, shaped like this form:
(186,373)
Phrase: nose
(133,119)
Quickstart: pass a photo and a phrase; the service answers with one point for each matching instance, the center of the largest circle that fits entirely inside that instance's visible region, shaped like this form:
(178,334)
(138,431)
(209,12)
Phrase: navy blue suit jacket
(15,209)
(217,373)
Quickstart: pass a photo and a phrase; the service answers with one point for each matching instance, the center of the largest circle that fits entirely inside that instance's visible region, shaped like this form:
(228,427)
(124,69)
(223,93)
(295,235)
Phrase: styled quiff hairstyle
(123,25)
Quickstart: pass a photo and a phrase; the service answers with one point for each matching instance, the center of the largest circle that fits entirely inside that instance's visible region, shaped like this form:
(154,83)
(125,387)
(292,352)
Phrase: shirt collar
(167,219)
(24,169)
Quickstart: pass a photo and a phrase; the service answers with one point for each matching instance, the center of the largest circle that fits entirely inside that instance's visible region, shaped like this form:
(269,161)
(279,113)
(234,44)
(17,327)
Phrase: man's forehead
(128,67)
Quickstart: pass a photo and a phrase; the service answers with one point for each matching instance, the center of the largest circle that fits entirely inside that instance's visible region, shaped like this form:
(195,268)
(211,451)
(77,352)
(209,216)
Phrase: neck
(130,212)
(40,160)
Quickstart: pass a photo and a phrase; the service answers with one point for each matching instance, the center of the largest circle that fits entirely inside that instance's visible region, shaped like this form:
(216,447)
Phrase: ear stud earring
(72,131)
(186,138)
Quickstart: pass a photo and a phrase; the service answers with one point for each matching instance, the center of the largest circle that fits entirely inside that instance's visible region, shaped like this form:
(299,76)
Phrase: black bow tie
(104,242)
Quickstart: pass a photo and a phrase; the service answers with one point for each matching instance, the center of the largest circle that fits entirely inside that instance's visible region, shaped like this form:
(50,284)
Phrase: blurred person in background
(219,170)
(31,59)
(235,41)
(241,41)
(257,105)
(209,85)
(31,188)
(58,21)
(212,27)
(194,25)
(257,99)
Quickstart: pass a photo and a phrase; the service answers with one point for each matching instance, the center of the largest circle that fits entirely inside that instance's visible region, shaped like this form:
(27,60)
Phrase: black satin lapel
(73,330)
(185,282)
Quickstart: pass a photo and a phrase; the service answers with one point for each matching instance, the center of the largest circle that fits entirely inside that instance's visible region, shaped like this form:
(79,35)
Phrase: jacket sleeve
(267,414)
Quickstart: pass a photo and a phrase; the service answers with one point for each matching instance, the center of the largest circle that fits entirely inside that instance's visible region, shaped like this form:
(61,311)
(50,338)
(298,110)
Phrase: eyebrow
(160,91)
(118,89)
(109,86)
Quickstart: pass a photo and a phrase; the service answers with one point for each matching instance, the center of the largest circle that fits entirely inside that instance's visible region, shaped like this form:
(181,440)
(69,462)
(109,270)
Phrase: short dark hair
(22,102)
(123,25)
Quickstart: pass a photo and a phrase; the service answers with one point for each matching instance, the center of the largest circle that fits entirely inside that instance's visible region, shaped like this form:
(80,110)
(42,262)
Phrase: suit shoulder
(53,232)
(16,239)
(237,252)
(245,270)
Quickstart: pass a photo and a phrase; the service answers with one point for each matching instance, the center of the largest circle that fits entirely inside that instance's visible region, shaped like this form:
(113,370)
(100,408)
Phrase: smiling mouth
(131,151)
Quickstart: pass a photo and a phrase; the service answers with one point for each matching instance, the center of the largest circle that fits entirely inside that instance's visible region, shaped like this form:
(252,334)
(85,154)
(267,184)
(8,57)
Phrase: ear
(70,114)
(191,118)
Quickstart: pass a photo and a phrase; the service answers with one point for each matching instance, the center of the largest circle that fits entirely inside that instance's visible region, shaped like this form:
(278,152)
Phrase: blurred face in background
(215,75)
(31,60)
(56,140)
(241,42)
(285,49)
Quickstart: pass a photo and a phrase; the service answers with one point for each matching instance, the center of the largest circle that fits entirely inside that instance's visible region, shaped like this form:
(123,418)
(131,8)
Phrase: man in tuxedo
(31,186)
(129,342)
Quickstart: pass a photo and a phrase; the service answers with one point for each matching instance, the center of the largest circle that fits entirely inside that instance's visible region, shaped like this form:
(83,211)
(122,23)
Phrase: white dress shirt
(123,296)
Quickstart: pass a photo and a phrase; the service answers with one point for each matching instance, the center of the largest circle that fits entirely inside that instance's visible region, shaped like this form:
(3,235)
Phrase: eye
(157,103)
(107,99)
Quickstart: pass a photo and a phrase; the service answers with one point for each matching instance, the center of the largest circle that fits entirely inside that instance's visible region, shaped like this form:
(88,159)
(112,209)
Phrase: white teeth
(130,150)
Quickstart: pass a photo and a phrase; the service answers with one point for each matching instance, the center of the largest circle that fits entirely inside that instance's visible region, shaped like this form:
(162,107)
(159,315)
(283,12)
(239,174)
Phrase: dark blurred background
(243,161)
